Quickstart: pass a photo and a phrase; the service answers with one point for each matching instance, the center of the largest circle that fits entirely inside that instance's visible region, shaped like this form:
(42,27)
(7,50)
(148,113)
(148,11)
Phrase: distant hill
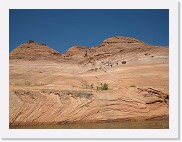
(33,51)
(111,49)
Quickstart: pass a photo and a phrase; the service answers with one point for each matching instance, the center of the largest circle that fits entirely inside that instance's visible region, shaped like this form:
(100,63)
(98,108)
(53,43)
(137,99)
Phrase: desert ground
(121,79)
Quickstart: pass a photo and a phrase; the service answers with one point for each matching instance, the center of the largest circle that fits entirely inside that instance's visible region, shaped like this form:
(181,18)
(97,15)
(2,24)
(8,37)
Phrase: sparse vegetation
(98,88)
(105,86)
(132,86)
(86,85)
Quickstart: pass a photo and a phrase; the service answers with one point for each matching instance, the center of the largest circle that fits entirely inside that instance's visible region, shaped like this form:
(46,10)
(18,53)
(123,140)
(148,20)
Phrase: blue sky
(61,29)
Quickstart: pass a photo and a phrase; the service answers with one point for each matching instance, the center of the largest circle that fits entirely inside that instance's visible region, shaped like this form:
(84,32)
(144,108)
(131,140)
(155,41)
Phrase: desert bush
(132,86)
(86,85)
(105,86)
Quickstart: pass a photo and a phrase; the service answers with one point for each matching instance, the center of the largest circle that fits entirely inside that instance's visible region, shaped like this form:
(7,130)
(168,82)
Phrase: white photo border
(171,133)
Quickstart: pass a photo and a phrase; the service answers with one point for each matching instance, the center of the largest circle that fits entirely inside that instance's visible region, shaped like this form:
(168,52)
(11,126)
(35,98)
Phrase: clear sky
(61,29)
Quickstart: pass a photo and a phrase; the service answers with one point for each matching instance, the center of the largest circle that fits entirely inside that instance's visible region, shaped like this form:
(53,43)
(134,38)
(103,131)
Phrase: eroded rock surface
(47,87)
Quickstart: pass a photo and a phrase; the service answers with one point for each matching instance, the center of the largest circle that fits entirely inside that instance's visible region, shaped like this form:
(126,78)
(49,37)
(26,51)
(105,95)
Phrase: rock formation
(47,87)
(33,51)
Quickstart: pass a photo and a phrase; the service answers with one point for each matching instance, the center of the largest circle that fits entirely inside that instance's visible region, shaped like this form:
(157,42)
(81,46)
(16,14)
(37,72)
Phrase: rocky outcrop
(112,48)
(34,51)
(63,106)
(152,96)
(78,53)
(47,87)
(116,40)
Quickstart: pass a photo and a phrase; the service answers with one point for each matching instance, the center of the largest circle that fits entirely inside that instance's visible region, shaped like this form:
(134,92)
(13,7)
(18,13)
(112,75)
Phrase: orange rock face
(47,87)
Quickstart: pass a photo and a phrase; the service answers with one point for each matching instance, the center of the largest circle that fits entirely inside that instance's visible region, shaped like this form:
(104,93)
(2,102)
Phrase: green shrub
(105,86)
(132,86)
